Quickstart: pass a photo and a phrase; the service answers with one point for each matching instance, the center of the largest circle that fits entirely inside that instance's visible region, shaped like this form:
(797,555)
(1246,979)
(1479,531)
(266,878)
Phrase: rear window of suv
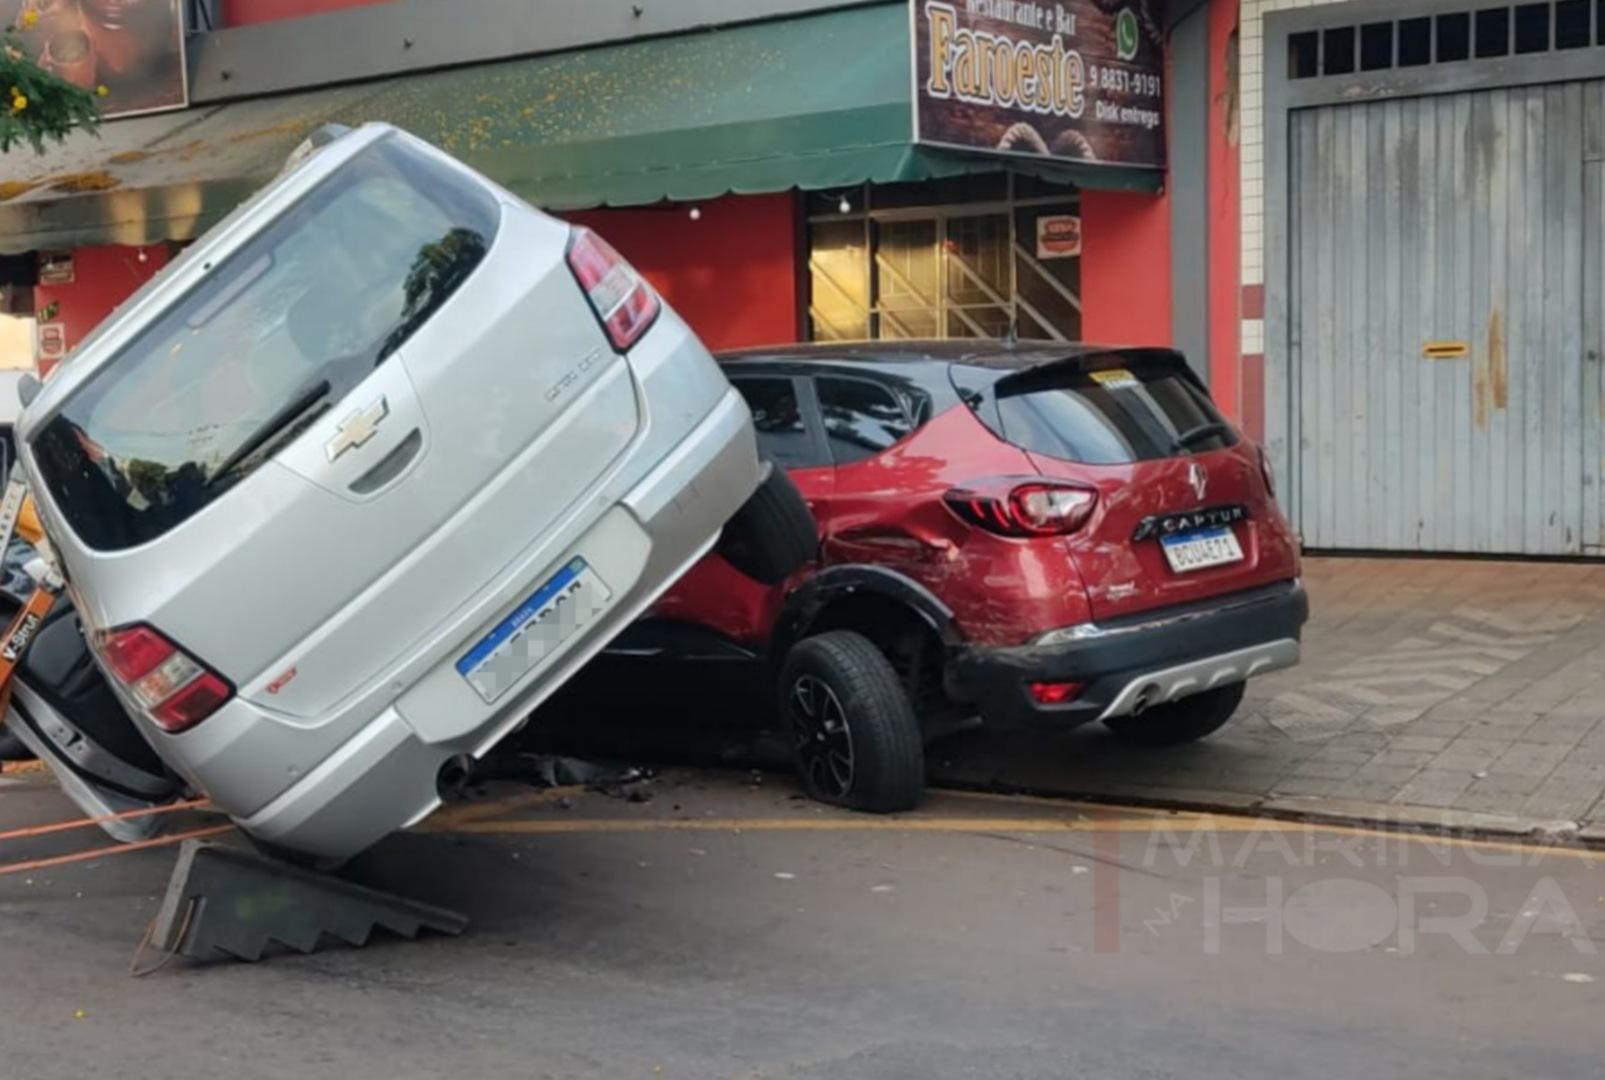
(1129,407)
(272,339)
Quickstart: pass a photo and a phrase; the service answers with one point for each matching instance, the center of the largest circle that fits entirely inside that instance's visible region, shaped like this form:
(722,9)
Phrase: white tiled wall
(1251,82)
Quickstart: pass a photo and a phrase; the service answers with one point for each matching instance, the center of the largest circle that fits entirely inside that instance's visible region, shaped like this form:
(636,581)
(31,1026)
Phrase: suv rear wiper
(1199,434)
(285,418)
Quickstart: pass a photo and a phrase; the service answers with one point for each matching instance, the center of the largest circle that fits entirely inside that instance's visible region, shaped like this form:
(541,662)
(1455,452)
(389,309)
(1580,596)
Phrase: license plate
(559,609)
(1197,550)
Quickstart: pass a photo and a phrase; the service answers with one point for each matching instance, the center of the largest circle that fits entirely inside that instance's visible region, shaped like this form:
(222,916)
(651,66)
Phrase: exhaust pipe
(1147,697)
(451,782)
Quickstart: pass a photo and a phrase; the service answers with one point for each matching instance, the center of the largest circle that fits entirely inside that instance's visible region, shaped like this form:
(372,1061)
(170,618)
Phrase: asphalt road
(725,929)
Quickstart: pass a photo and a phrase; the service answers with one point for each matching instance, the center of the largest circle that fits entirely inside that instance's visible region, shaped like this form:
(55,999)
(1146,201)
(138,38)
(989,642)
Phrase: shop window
(1571,24)
(838,274)
(1532,28)
(906,290)
(1376,46)
(1454,37)
(1337,51)
(1047,277)
(861,418)
(1303,55)
(1493,33)
(1415,42)
(978,269)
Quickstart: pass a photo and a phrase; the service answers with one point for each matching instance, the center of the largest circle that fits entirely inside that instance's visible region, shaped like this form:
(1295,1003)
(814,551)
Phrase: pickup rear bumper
(1132,664)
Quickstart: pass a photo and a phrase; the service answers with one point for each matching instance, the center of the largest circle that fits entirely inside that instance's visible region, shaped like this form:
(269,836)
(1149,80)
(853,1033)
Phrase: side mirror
(28,388)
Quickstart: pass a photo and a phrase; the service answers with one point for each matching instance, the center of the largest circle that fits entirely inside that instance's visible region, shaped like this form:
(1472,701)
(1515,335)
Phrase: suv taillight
(1267,471)
(1024,507)
(176,690)
(621,298)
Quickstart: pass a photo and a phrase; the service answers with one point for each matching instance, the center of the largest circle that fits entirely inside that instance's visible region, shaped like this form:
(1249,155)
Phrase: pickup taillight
(173,688)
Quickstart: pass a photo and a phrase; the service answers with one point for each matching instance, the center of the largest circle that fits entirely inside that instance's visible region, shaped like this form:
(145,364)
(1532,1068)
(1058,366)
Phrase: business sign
(133,48)
(1078,80)
(1058,236)
(52,341)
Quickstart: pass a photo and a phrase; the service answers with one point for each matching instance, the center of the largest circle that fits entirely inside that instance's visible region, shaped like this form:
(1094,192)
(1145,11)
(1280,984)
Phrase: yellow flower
(30,19)
(19,103)
(102,90)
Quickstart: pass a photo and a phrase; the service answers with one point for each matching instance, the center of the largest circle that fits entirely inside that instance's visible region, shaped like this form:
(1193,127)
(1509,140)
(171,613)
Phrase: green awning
(821,101)
(817,102)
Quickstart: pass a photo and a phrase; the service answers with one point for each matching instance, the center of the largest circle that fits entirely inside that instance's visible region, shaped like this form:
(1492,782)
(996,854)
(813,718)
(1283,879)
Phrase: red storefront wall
(103,277)
(732,272)
(735,271)
(246,12)
(1125,268)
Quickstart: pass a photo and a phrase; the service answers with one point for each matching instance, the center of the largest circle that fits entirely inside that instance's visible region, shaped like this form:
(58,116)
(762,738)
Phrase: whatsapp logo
(1127,35)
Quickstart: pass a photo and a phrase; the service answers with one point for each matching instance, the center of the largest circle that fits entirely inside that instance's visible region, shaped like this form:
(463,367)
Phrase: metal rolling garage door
(1445,320)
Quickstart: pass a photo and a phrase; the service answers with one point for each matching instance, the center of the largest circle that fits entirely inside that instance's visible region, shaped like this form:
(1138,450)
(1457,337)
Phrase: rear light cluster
(621,298)
(176,690)
(1024,508)
(1267,471)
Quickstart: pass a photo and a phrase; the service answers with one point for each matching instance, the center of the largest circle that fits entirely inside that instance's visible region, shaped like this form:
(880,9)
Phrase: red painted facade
(737,272)
(1225,191)
(103,277)
(1125,268)
(731,272)
(246,12)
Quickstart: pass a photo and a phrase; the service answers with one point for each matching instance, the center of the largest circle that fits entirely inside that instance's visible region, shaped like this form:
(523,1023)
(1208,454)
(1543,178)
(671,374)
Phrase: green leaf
(55,107)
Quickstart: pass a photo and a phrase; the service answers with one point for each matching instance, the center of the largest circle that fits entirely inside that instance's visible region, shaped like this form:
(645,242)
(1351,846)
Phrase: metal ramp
(226,902)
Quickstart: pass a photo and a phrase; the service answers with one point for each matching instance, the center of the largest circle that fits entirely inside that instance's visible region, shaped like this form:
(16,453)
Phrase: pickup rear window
(272,339)
(1123,407)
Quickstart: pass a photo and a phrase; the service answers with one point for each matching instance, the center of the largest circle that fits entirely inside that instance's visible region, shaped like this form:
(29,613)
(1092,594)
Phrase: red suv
(1035,533)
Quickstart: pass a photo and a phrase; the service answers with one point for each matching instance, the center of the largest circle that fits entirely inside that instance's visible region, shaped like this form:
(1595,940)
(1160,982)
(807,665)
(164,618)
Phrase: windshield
(324,294)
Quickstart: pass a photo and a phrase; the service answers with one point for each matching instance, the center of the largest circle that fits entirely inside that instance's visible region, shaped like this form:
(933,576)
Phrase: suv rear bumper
(1138,662)
(385,777)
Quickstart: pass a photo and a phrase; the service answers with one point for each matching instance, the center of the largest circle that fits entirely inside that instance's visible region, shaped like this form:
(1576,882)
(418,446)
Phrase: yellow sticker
(1115,379)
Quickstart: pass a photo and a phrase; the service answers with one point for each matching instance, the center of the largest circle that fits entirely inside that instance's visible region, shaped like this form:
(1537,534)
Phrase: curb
(1315,810)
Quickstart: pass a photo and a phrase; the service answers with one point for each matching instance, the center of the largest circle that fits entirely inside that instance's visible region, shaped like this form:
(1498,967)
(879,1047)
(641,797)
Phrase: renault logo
(357,428)
(1197,477)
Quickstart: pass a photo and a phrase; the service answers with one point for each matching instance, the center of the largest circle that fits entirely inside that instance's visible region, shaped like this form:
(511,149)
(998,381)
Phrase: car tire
(1177,722)
(773,533)
(855,740)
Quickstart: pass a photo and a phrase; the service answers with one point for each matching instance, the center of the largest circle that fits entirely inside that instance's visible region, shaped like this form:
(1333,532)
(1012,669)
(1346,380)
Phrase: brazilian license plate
(1201,549)
(569,601)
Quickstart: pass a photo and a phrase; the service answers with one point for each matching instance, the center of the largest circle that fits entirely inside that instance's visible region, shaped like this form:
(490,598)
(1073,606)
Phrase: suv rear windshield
(1110,410)
(276,336)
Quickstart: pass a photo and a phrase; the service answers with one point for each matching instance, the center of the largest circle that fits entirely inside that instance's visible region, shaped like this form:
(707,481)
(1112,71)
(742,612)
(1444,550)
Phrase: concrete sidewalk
(1447,691)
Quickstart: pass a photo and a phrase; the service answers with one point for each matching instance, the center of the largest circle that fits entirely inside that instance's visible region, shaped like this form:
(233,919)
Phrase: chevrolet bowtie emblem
(357,428)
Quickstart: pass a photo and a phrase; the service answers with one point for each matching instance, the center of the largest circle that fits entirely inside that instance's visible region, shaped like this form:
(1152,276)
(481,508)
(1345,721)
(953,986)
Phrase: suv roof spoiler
(1040,376)
(321,136)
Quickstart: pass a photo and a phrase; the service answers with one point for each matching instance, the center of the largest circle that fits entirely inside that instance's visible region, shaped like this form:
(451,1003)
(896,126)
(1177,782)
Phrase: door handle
(390,466)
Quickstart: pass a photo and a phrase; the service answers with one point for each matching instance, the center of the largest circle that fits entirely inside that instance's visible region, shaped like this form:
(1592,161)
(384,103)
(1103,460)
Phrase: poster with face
(1079,80)
(134,48)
